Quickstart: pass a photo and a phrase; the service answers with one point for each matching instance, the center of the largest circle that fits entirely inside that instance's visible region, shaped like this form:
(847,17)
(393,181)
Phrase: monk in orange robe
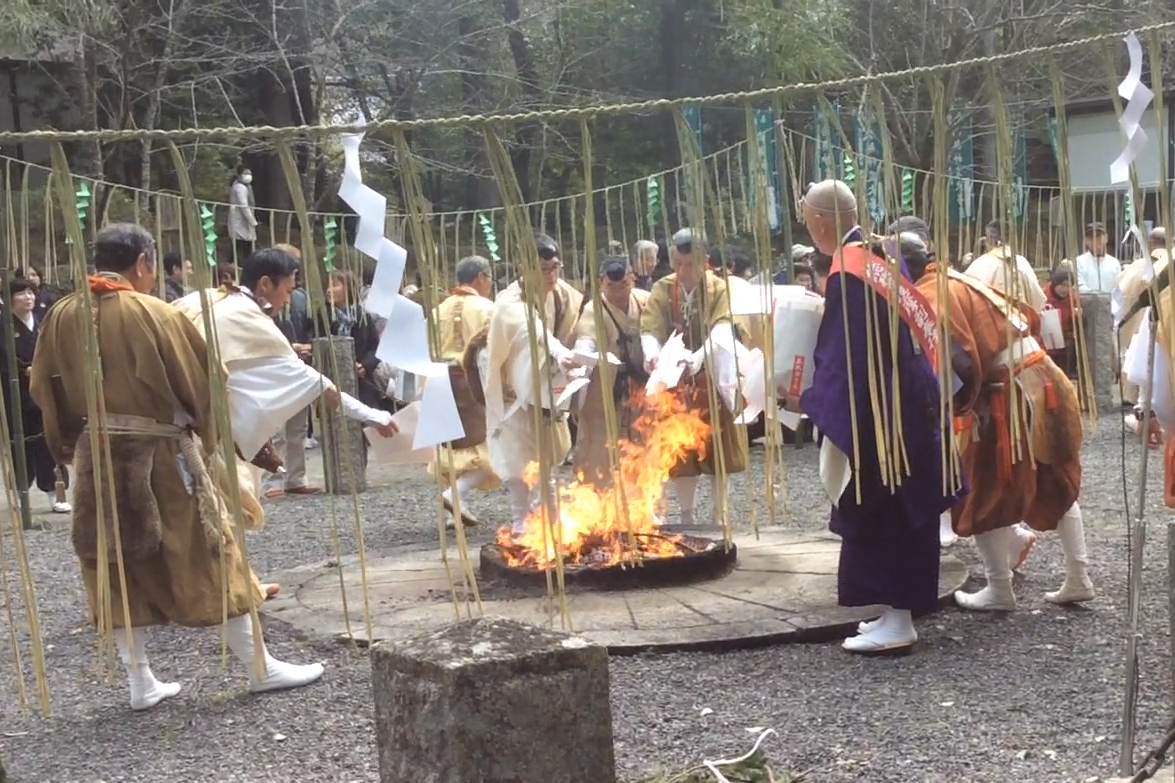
(1028,469)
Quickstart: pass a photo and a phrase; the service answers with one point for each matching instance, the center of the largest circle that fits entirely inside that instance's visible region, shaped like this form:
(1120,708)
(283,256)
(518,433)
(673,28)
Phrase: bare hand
(567,362)
(386,430)
(791,402)
(650,365)
(331,398)
(302,349)
(359,371)
(1154,433)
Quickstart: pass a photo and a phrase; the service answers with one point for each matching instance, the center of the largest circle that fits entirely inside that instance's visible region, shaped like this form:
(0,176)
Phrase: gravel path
(1031,696)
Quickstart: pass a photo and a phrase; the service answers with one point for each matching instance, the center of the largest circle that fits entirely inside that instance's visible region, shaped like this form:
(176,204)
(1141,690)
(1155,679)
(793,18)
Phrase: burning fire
(597,526)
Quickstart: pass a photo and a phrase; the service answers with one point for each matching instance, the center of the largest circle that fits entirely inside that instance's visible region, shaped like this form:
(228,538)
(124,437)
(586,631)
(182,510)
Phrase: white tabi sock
(1020,543)
(465,482)
(1077,587)
(146,691)
(946,531)
(894,630)
(997,596)
(686,491)
(519,504)
(273,675)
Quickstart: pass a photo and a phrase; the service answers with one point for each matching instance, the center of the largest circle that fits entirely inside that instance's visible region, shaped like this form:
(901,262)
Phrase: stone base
(493,701)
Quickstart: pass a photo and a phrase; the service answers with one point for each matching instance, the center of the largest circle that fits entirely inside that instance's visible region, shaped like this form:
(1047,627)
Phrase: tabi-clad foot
(946,531)
(1077,587)
(275,675)
(1020,545)
(997,596)
(146,691)
(892,633)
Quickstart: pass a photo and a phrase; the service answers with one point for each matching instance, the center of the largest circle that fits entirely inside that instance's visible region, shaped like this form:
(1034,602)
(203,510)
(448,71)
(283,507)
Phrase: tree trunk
(479,191)
(527,135)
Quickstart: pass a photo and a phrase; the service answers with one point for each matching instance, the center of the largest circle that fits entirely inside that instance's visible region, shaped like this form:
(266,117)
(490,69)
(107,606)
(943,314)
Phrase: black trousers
(243,248)
(42,470)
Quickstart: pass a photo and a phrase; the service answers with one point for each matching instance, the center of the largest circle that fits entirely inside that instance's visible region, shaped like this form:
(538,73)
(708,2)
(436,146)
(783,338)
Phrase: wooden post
(344,453)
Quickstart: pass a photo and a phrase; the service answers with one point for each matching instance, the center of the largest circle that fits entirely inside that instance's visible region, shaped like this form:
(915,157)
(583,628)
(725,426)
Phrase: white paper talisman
(797,320)
(1050,328)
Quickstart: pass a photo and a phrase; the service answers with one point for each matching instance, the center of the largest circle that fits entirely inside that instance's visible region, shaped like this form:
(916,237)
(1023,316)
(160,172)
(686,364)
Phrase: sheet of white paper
(754,380)
(591,359)
(835,471)
(350,143)
(385,283)
(752,300)
(398,448)
(570,390)
(439,420)
(404,342)
(667,373)
(1138,98)
(789,419)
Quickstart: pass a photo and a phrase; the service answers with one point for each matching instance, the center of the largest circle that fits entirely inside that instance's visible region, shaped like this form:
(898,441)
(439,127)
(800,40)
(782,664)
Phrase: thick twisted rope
(572,113)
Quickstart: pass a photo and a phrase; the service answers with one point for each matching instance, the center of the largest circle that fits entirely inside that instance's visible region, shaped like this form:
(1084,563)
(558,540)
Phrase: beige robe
(517,429)
(155,365)
(591,448)
(460,317)
(1132,283)
(669,309)
(994,268)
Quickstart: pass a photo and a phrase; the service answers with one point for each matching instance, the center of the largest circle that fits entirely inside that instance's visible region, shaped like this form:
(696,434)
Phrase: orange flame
(597,524)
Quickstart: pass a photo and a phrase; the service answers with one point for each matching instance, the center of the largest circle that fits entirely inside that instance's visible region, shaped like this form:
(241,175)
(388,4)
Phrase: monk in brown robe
(694,302)
(623,305)
(180,560)
(1037,479)
(462,316)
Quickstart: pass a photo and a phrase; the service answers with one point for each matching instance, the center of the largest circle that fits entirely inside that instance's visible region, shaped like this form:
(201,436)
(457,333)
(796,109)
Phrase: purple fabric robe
(890,546)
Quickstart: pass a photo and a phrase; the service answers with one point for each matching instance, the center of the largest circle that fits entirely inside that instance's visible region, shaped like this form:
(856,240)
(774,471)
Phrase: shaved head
(830,210)
(1157,238)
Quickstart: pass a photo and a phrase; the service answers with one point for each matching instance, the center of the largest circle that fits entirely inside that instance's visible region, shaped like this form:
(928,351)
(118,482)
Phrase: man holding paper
(693,303)
(883,475)
(520,426)
(619,322)
(461,317)
(1029,470)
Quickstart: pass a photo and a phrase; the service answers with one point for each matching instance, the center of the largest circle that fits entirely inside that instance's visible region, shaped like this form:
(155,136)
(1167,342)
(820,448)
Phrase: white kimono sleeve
(264,394)
(357,411)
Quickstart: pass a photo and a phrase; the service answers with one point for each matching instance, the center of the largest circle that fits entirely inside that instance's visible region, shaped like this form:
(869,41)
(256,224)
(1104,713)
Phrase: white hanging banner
(1138,98)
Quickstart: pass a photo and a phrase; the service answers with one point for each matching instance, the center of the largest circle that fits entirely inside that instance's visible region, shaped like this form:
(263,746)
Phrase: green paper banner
(208,223)
(653,201)
(907,191)
(330,230)
(487,232)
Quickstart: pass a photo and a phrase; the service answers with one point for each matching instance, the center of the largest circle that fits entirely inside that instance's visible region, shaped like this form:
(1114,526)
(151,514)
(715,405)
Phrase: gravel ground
(1034,696)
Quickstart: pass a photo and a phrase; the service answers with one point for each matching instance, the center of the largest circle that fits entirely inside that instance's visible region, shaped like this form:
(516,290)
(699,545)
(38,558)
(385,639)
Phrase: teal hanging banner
(1019,170)
(870,164)
(961,172)
(693,117)
(769,166)
(828,157)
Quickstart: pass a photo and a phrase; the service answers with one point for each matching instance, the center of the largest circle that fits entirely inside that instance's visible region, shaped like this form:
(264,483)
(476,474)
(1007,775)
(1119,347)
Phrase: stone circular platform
(782,590)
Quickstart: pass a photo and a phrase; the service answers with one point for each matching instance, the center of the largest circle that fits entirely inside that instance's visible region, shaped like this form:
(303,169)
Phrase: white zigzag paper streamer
(404,341)
(1138,98)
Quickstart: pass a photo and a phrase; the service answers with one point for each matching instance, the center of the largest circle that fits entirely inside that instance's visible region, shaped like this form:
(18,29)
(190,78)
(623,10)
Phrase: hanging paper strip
(769,164)
(871,161)
(330,230)
(1019,169)
(849,171)
(487,232)
(907,191)
(82,202)
(653,201)
(208,224)
(1138,97)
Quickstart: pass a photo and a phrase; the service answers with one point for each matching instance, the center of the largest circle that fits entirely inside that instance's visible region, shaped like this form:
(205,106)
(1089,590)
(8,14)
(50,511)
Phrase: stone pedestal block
(493,701)
(343,452)
(1102,345)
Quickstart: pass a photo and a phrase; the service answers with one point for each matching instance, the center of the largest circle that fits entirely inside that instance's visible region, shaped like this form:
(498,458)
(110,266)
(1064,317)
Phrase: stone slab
(782,590)
(493,701)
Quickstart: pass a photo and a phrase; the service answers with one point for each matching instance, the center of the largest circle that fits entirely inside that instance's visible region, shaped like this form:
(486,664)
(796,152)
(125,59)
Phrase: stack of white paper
(798,313)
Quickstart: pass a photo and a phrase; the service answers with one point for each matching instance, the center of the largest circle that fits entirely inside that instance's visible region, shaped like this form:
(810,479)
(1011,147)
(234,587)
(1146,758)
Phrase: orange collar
(101,284)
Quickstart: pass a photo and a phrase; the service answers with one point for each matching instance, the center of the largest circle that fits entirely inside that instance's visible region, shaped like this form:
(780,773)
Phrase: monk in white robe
(461,317)
(180,561)
(623,305)
(519,425)
(1131,283)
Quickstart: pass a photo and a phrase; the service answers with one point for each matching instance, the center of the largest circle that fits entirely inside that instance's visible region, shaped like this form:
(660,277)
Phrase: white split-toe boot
(1077,587)
(1020,544)
(890,633)
(997,596)
(946,530)
(146,691)
(276,675)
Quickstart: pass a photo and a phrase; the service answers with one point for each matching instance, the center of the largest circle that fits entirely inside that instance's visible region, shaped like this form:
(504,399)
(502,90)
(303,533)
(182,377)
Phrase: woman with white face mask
(242,224)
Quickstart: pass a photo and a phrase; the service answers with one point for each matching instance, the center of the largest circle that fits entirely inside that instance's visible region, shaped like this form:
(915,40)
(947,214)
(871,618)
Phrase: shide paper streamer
(1138,98)
(404,341)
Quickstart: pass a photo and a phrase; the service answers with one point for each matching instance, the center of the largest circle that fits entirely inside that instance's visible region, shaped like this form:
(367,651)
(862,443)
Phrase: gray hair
(470,268)
(911,224)
(639,249)
(118,246)
(686,236)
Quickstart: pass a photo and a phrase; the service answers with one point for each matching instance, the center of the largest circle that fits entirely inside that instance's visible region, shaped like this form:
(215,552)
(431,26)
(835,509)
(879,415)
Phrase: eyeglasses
(550,269)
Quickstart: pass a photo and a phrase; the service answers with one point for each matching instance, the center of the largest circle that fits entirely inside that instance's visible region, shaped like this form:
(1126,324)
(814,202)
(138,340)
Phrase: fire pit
(693,559)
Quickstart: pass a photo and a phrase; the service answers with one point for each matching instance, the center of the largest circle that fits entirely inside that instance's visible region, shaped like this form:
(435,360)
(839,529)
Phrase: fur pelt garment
(140,527)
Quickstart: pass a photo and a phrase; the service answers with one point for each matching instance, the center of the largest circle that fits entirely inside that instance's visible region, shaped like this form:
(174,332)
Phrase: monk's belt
(211,505)
(1020,351)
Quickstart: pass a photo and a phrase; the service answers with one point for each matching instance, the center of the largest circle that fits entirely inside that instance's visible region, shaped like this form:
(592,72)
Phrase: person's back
(1010,274)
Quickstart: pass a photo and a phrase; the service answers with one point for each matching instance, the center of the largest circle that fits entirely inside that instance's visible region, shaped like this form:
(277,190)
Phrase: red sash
(858,261)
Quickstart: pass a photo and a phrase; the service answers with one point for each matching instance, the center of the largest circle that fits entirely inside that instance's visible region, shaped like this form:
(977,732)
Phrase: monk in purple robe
(885,507)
